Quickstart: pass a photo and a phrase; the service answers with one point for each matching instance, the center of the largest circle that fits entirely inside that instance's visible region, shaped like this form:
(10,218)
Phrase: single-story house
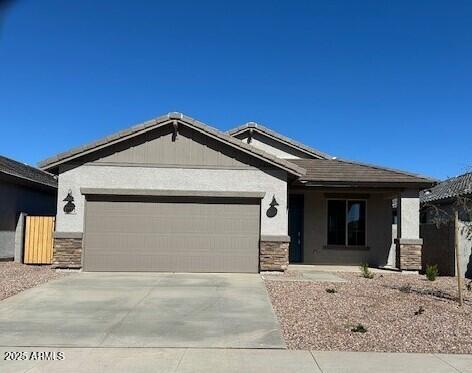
(437,225)
(23,190)
(174,194)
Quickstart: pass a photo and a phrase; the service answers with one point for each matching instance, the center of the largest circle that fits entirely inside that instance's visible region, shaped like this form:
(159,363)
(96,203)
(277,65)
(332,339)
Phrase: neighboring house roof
(343,172)
(453,187)
(277,136)
(139,129)
(22,171)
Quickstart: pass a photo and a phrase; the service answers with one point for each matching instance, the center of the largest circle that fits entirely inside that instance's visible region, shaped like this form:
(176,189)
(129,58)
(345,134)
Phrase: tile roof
(23,171)
(332,171)
(453,187)
(266,131)
(47,164)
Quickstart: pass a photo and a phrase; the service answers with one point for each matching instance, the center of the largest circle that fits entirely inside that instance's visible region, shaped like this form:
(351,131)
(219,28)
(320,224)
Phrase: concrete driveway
(143,310)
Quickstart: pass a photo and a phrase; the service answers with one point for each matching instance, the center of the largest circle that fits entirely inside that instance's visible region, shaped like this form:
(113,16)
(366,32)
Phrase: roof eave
(28,180)
(364,184)
(421,177)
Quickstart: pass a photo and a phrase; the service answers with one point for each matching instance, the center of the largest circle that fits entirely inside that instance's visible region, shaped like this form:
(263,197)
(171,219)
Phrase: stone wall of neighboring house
(378,233)
(438,248)
(15,199)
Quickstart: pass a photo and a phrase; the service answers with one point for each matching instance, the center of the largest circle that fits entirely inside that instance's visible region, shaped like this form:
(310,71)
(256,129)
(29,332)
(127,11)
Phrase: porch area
(340,213)
(340,227)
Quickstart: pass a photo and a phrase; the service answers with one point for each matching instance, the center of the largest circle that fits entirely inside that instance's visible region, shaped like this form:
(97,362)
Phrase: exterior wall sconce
(175,130)
(69,207)
(272,210)
(250,135)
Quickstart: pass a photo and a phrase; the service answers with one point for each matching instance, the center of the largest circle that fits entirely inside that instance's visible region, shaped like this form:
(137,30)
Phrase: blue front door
(295,227)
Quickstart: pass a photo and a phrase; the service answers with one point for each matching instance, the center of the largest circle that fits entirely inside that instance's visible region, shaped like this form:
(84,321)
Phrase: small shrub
(359,328)
(420,311)
(331,291)
(432,272)
(405,288)
(366,273)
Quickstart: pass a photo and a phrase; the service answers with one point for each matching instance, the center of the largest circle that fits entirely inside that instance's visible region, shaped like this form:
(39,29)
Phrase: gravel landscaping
(388,307)
(15,277)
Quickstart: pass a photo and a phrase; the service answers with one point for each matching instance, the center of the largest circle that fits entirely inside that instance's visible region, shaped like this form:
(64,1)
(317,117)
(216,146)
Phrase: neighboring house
(440,201)
(437,229)
(23,190)
(173,194)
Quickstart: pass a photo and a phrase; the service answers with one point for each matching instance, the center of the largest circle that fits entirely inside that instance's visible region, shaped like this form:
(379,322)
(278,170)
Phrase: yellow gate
(39,239)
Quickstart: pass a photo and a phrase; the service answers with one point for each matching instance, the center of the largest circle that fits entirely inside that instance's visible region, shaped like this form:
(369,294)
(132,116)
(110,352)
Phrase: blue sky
(385,82)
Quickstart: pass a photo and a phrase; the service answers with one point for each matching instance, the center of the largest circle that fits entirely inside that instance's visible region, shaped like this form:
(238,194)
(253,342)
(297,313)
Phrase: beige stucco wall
(272,182)
(378,232)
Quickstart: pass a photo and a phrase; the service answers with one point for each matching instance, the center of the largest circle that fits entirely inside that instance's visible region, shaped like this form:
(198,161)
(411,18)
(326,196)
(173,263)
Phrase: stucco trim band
(271,238)
(68,235)
(170,193)
(409,241)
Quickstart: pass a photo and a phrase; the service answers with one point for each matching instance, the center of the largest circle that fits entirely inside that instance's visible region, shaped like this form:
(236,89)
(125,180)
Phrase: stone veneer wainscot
(273,255)
(67,250)
(408,254)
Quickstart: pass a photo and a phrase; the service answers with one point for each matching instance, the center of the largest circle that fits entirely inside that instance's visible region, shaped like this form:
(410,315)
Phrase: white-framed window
(346,222)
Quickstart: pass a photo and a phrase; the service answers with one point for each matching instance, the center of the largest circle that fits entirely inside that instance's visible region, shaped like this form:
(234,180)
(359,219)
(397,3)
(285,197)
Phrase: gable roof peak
(175,115)
(278,137)
(252,124)
(54,161)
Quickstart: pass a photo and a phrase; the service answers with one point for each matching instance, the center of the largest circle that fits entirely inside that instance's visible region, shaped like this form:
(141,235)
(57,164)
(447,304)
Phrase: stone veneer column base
(67,251)
(408,254)
(273,255)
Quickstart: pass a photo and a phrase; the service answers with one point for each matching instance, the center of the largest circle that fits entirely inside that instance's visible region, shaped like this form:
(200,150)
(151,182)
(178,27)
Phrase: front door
(295,227)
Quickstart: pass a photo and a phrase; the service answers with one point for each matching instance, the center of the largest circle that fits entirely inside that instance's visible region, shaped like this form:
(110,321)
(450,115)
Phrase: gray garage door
(171,234)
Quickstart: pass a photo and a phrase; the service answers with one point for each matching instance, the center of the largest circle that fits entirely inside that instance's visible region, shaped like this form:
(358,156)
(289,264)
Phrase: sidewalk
(232,360)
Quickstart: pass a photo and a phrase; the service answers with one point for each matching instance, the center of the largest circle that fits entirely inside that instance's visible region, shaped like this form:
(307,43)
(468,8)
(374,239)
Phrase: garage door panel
(208,235)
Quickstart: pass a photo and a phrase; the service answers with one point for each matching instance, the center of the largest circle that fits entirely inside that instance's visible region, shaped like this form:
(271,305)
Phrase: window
(336,222)
(346,222)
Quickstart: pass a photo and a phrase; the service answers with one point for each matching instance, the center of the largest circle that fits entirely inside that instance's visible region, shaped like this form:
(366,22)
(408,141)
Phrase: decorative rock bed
(388,306)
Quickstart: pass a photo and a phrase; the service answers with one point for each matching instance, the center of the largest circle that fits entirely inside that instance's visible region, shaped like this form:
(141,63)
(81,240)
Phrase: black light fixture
(175,130)
(272,210)
(250,135)
(69,207)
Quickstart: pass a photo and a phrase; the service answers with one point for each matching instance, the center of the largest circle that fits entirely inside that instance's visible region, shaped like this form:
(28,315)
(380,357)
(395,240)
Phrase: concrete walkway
(232,360)
(143,310)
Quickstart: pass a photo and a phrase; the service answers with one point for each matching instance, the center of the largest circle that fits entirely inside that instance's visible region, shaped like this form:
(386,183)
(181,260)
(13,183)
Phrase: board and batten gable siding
(189,148)
(192,162)
(272,146)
